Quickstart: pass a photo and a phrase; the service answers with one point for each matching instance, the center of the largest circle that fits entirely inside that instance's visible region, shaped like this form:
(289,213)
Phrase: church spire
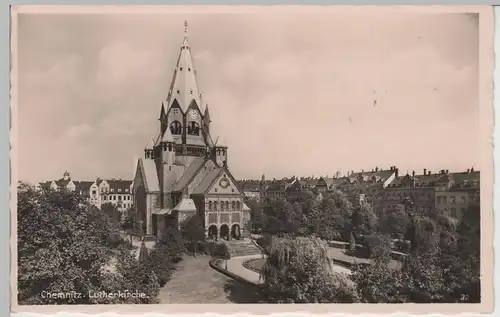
(184,88)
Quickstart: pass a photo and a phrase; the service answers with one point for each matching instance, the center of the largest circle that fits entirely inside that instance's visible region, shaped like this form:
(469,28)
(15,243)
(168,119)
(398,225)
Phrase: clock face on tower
(224,183)
(193,115)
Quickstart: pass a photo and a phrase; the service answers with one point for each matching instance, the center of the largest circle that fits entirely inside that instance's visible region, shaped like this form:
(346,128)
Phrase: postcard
(232,158)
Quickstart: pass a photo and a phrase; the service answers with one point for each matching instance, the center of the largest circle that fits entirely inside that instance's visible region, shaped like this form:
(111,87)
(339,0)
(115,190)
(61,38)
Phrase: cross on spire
(185,26)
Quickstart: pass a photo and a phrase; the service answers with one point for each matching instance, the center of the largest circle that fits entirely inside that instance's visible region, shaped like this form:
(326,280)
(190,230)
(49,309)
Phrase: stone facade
(184,171)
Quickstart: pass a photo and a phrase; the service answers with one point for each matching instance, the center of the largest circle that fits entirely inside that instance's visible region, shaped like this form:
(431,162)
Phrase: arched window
(233,204)
(222,206)
(193,128)
(215,205)
(176,127)
(227,205)
(238,205)
(210,205)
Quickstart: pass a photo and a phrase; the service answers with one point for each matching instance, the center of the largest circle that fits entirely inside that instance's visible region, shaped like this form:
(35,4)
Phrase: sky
(291,93)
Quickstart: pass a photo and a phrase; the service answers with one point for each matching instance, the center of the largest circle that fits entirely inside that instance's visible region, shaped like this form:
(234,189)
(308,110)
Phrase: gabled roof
(83,185)
(149,175)
(119,183)
(207,181)
(189,174)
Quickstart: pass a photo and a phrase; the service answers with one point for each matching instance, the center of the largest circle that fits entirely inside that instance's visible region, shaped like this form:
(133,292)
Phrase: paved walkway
(194,281)
(235,266)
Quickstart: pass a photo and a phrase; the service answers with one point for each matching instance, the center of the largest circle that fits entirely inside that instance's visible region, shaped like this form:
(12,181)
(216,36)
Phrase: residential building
(98,192)
(419,189)
(455,192)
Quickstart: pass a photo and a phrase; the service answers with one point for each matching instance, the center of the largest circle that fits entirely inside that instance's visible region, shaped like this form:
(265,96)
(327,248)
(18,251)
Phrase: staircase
(242,248)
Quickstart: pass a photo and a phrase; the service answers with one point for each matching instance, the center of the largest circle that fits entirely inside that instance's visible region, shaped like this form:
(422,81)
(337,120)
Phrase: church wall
(140,203)
(160,225)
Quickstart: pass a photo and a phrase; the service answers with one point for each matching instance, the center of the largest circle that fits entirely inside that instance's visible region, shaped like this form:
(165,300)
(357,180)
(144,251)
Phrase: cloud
(79,131)
(279,92)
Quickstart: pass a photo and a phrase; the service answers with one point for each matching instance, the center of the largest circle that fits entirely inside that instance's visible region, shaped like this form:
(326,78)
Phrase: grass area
(338,255)
(194,282)
(254,264)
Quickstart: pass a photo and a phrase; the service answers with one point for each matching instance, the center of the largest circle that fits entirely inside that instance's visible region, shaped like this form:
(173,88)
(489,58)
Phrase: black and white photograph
(209,155)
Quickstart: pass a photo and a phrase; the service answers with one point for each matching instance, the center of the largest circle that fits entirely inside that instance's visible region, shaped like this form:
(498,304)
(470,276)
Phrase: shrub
(172,240)
(379,246)
(161,264)
(210,247)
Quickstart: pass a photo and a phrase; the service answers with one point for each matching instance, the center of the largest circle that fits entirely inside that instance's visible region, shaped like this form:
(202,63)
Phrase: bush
(161,264)
(402,246)
(379,246)
(210,247)
(222,250)
(172,240)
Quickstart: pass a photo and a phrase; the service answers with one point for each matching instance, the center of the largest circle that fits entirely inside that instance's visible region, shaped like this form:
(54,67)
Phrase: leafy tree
(364,221)
(376,283)
(299,271)
(112,212)
(138,276)
(258,217)
(63,245)
(161,263)
(379,247)
(143,253)
(395,223)
(173,242)
(352,242)
(193,231)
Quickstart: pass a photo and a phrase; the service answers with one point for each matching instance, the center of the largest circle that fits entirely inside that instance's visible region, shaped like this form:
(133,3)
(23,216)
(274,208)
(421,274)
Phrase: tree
(63,245)
(193,231)
(395,223)
(112,212)
(143,253)
(299,271)
(376,283)
(138,276)
(352,242)
(161,263)
(173,242)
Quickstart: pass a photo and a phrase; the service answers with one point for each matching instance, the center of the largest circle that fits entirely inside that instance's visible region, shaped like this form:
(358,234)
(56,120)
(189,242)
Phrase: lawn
(343,260)
(254,264)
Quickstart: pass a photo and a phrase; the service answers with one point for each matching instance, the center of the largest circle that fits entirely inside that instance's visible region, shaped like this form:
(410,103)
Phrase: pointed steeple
(162,111)
(184,88)
(220,142)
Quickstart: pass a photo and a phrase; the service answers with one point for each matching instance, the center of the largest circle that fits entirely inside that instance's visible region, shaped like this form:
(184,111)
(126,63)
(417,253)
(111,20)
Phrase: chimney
(429,173)
(472,169)
(376,169)
(425,171)
(413,173)
(468,171)
(447,171)
(396,171)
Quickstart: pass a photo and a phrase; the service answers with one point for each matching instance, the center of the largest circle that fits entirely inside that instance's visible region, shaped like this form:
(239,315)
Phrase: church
(185,170)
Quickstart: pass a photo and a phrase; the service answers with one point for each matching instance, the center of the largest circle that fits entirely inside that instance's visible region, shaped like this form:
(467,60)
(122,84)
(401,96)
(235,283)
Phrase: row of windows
(214,206)
(116,197)
(193,128)
(402,195)
(421,209)
(450,200)
(112,190)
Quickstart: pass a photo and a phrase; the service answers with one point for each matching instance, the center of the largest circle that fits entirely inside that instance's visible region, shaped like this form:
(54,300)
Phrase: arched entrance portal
(224,232)
(235,232)
(212,232)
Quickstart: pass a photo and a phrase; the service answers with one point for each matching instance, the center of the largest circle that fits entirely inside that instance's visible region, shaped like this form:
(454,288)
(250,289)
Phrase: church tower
(184,170)
(185,115)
